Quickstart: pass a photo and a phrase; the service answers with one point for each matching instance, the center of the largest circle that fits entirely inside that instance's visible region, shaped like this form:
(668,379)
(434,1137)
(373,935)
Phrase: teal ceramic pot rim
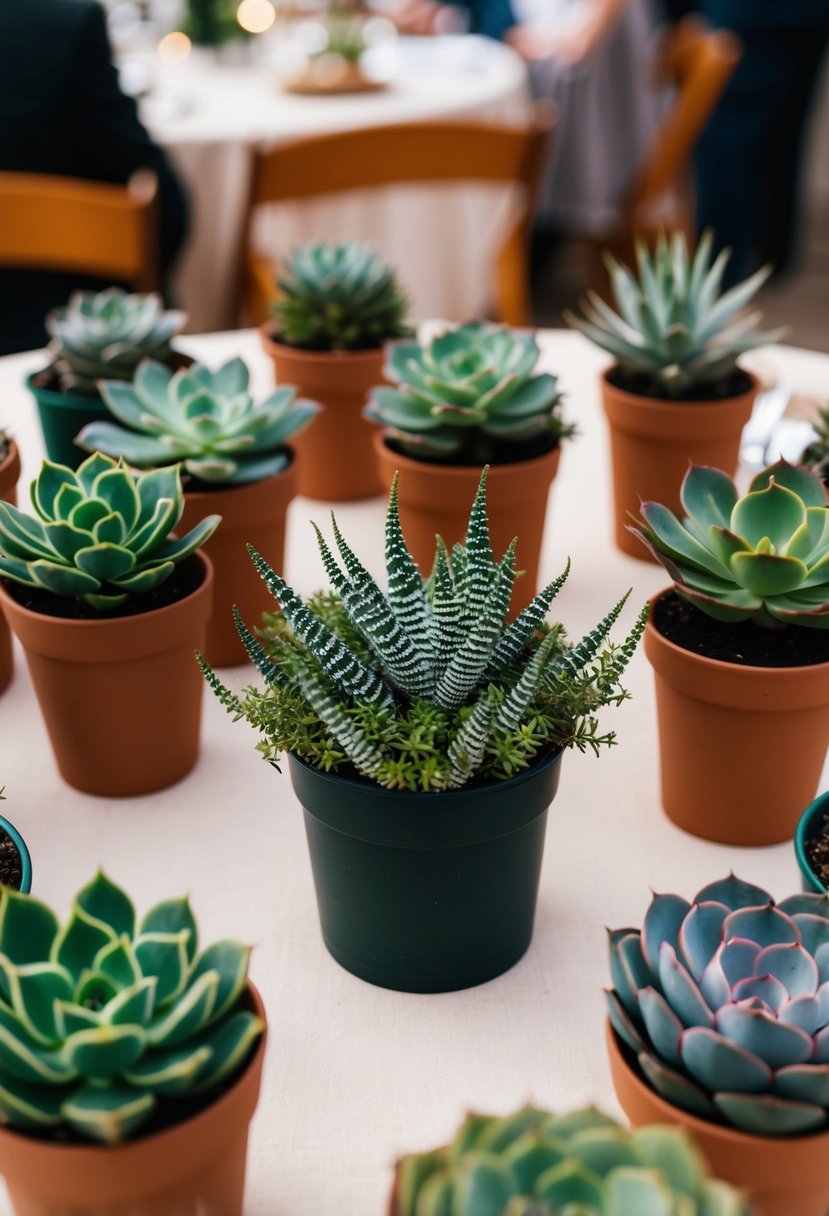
(66,401)
(806,830)
(23,851)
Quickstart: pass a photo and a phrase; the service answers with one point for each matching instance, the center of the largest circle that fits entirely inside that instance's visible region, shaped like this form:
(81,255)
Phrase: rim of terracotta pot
(460,472)
(22,851)
(804,833)
(10,468)
(313,358)
(658,405)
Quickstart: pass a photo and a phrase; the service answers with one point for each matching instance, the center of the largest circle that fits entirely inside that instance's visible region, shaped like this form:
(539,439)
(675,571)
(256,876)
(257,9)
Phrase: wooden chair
(404,154)
(81,227)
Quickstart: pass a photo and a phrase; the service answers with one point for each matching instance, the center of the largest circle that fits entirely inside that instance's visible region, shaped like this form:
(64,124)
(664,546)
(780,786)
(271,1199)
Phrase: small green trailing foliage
(674,327)
(425,687)
(105,335)
(100,533)
(535,1163)
(466,395)
(104,1019)
(338,297)
(206,420)
(816,456)
(763,557)
(724,1000)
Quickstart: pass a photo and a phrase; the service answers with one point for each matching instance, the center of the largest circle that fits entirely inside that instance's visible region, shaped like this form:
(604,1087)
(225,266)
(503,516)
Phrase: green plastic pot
(426,892)
(808,827)
(62,416)
(25,857)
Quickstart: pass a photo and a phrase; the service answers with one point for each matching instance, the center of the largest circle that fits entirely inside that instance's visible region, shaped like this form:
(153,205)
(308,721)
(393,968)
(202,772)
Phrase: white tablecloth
(355,1075)
(226,111)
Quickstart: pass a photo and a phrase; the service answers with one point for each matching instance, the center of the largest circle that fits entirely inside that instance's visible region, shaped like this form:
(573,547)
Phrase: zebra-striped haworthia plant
(426,686)
(104,1020)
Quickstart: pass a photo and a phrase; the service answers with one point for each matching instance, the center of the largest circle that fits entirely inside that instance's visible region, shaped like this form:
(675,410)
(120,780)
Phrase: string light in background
(174,47)
(256,16)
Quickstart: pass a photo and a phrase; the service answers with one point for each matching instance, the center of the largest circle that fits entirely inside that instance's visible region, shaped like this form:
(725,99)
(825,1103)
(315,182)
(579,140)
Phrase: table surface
(356,1075)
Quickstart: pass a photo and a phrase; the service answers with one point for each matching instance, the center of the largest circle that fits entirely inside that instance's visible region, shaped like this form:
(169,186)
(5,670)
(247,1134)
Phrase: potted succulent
(339,305)
(676,391)
(816,455)
(583,1163)
(109,608)
(96,336)
(811,844)
(131,1059)
(234,457)
(15,859)
(471,397)
(719,1022)
(9,473)
(336,66)
(424,739)
(740,651)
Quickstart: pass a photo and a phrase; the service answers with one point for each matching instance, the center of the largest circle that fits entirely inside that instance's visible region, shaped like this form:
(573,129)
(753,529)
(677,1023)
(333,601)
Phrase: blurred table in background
(209,116)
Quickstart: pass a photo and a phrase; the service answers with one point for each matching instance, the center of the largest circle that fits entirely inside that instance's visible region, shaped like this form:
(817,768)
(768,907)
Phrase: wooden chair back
(405,154)
(81,227)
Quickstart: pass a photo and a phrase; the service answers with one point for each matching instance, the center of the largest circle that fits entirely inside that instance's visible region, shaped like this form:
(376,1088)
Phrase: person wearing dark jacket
(62,112)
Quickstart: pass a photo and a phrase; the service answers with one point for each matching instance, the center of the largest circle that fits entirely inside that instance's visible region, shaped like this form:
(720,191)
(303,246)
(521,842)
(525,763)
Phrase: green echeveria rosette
(763,557)
(100,533)
(725,1003)
(674,327)
(104,1019)
(105,335)
(534,1163)
(467,392)
(206,420)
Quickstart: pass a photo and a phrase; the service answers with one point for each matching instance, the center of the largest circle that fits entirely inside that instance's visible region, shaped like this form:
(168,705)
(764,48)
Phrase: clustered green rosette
(103,1019)
(466,394)
(674,328)
(534,1163)
(725,1003)
(762,557)
(207,420)
(105,335)
(100,534)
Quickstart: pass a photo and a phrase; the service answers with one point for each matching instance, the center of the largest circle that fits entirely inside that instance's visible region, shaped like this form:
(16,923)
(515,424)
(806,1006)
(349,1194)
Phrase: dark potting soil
(734,385)
(50,380)
(184,580)
(11,867)
(817,851)
(490,453)
(742,643)
(319,348)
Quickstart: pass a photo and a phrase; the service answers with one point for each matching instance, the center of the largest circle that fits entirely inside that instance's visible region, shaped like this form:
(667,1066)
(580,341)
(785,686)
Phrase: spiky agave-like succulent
(100,533)
(105,335)
(763,557)
(535,1163)
(725,1002)
(206,420)
(339,297)
(816,455)
(426,686)
(102,1019)
(673,326)
(466,393)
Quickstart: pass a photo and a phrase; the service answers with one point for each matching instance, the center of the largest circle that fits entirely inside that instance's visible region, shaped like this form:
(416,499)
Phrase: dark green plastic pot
(809,826)
(25,857)
(62,416)
(426,892)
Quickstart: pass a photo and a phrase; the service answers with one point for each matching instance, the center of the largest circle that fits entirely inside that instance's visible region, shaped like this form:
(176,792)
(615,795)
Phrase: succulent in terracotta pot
(816,456)
(15,859)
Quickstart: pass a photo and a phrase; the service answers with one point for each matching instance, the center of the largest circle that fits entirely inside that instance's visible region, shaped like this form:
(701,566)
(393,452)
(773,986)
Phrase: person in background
(62,112)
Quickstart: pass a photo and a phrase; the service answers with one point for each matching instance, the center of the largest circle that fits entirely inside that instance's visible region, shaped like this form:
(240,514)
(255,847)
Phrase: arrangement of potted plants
(9,473)
(339,304)
(740,650)
(233,455)
(535,1163)
(335,67)
(131,1059)
(471,397)
(811,844)
(109,609)
(676,392)
(96,336)
(719,1022)
(424,738)
(15,860)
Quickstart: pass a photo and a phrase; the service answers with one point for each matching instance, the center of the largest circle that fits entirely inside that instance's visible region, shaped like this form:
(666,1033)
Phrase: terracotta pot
(741,748)
(9,473)
(336,456)
(786,1175)
(437,498)
(652,441)
(252,514)
(195,1168)
(121,696)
